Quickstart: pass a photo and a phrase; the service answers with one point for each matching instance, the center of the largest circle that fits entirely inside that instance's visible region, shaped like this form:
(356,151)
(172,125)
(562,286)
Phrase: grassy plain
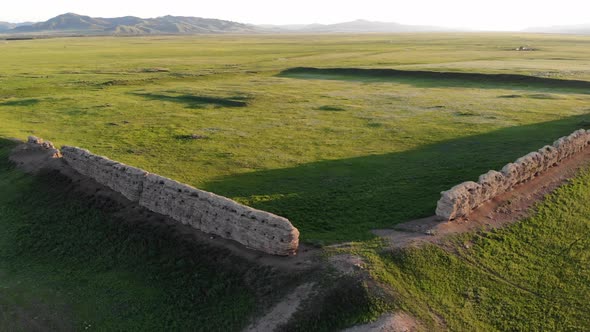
(339,153)
(336,155)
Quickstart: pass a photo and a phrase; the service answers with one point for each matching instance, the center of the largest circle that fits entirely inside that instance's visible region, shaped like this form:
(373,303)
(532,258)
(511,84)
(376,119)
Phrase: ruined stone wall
(463,198)
(122,178)
(202,210)
(219,215)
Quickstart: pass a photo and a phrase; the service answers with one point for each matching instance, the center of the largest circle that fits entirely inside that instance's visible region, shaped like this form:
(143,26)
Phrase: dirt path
(282,312)
(396,322)
(504,209)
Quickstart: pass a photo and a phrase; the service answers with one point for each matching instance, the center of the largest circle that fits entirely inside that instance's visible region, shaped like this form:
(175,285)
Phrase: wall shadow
(21,102)
(196,101)
(342,200)
(422,78)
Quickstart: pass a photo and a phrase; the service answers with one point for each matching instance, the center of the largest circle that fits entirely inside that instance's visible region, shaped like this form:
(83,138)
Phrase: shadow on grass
(342,200)
(422,78)
(145,275)
(194,101)
(21,102)
(331,108)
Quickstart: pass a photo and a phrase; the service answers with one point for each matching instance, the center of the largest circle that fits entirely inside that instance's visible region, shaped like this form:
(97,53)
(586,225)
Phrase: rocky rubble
(33,141)
(463,198)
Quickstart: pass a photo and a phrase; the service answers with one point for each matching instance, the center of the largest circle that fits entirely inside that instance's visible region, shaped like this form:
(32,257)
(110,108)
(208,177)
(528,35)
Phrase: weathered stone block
(511,175)
(492,184)
(459,200)
(34,140)
(550,157)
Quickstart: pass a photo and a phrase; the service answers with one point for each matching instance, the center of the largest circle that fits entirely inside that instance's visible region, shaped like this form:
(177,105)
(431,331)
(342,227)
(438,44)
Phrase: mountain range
(71,23)
(6,26)
(579,29)
(358,26)
(74,24)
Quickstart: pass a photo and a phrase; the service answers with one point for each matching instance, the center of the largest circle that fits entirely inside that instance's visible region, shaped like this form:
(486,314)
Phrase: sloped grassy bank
(69,262)
(67,265)
(533,275)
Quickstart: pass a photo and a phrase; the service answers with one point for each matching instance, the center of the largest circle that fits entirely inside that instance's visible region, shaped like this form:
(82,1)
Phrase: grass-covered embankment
(66,265)
(531,276)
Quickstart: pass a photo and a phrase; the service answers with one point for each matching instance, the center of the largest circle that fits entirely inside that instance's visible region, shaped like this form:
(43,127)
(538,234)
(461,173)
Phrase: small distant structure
(524,48)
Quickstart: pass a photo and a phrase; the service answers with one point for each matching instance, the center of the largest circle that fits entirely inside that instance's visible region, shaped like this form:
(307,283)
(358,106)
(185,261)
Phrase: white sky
(474,14)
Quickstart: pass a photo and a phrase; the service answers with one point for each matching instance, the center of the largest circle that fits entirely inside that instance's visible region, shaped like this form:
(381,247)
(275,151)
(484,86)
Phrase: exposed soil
(504,209)
(347,264)
(396,322)
(282,311)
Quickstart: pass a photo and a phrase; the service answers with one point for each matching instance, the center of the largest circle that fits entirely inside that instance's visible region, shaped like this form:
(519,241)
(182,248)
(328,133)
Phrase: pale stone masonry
(459,201)
(218,215)
(199,209)
(122,178)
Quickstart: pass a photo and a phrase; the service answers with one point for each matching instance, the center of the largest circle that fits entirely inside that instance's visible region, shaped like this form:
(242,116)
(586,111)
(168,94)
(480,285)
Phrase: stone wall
(463,198)
(219,215)
(202,210)
(122,178)
(47,145)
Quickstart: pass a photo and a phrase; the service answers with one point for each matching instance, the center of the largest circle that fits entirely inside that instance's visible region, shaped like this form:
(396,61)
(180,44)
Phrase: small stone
(47,145)
(34,140)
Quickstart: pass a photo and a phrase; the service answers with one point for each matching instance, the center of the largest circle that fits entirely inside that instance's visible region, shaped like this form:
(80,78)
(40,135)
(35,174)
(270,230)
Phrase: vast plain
(339,152)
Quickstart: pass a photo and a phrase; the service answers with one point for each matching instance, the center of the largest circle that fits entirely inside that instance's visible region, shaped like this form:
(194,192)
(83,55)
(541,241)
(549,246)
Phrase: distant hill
(6,26)
(369,26)
(80,24)
(358,26)
(580,29)
(71,23)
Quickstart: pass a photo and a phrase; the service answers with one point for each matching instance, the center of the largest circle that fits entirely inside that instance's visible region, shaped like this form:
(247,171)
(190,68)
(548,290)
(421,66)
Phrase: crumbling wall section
(33,141)
(122,178)
(219,215)
(463,198)
(202,210)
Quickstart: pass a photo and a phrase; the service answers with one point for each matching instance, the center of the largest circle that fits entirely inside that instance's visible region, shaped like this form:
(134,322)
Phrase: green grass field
(338,152)
(66,265)
(532,276)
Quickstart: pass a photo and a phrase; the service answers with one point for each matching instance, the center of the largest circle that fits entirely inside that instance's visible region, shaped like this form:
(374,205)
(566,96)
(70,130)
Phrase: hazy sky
(476,14)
